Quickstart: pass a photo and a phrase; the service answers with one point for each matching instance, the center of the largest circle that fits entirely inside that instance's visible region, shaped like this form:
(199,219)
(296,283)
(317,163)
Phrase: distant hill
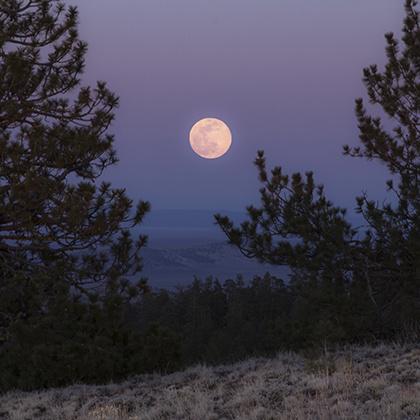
(178,266)
(359,383)
(187,243)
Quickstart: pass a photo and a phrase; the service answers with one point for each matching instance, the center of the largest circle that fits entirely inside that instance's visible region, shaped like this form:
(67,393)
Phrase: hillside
(356,383)
(187,243)
(171,267)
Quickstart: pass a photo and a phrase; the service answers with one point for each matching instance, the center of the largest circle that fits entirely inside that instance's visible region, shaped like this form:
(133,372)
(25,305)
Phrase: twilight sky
(283,74)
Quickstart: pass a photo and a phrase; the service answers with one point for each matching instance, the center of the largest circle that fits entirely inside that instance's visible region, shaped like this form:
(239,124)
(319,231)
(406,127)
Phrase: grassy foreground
(357,383)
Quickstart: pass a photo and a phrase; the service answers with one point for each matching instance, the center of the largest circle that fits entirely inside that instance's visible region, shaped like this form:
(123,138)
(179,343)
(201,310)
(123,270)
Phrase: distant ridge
(184,244)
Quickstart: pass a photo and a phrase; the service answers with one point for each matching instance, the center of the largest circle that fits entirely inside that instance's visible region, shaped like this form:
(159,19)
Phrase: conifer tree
(64,235)
(391,248)
(297,226)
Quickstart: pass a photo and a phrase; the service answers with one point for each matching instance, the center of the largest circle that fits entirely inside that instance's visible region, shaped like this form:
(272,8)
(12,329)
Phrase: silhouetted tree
(299,227)
(63,236)
(391,248)
(332,262)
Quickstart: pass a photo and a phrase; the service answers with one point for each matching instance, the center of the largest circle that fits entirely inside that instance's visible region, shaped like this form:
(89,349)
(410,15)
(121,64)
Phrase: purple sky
(282,73)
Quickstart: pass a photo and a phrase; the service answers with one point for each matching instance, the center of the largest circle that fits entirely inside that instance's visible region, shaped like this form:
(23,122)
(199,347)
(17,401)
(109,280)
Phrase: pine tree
(63,234)
(331,262)
(391,249)
(298,227)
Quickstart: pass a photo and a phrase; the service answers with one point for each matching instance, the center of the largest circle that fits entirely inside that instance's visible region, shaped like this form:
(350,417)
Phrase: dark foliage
(65,247)
(218,322)
(344,276)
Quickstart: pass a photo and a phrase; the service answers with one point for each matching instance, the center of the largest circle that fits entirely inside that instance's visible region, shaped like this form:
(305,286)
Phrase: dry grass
(359,383)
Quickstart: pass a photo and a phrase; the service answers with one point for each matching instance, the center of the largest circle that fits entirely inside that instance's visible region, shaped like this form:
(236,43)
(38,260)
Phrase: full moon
(210,138)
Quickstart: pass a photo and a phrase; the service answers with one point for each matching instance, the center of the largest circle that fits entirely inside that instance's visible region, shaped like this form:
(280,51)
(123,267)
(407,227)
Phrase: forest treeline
(214,322)
(74,306)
